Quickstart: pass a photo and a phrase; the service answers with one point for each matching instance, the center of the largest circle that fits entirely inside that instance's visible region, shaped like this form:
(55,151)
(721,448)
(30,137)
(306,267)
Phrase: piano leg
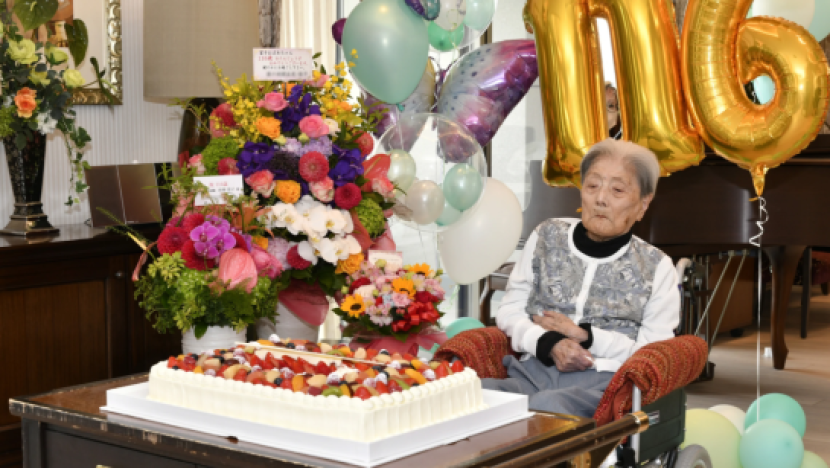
(784,261)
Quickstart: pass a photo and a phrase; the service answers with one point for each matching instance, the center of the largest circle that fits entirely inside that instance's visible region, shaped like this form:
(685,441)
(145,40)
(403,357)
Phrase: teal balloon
(443,40)
(449,215)
(811,460)
(820,26)
(461,325)
(480,14)
(462,186)
(771,444)
(778,406)
(387,44)
(764,88)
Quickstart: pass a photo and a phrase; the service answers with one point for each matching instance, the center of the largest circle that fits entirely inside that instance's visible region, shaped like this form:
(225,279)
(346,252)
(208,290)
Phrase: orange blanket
(657,369)
(482,349)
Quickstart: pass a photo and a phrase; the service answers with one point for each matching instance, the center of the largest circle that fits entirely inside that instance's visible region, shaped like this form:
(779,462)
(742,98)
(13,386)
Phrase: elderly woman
(586,295)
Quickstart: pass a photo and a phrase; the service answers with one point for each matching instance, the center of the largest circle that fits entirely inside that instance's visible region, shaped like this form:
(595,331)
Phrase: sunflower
(404,286)
(354,306)
(420,269)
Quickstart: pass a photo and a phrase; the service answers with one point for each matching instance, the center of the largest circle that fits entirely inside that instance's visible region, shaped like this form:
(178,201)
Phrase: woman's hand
(555,321)
(569,356)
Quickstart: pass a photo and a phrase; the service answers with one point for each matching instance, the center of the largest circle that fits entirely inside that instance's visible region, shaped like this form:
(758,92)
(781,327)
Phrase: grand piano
(707,209)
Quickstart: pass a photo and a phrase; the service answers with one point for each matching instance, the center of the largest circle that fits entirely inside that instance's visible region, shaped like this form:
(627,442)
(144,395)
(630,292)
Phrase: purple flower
(210,241)
(284,167)
(249,242)
(293,146)
(254,157)
(349,166)
(278,248)
(322,145)
(220,223)
(300,107)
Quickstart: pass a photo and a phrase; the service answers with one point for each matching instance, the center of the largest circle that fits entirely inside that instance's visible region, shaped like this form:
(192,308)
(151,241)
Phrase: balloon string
(763,217)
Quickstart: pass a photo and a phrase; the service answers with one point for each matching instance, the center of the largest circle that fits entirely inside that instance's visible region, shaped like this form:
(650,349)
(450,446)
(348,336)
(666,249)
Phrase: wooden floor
(806,377)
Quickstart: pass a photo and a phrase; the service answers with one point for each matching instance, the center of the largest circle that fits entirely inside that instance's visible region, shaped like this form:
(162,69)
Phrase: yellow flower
(72,78)
(349,265)
(354,306)
(260,241)
(288,191)
(420,268)
(23,51)
(404,286)
(56,55)
(269,127)
(38,78)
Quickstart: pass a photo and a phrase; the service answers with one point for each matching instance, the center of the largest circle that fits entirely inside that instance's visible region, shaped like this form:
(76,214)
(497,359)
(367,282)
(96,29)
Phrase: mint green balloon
(386,46)
(449,215)
(778,406)
(771,443)
(480,14)
(462,324)
(820,26)
(443,40)
(764,88)
(811,460)
(462,186)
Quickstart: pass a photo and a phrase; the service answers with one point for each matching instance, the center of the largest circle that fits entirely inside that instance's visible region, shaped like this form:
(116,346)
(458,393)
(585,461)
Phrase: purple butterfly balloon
(486,84)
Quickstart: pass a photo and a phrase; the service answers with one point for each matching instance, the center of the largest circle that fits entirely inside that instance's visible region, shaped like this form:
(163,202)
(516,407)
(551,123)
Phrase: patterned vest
(618,292)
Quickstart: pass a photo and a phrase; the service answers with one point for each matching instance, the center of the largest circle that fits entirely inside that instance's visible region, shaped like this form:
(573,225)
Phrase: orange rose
(349,265)
(288,87)
(25,102)
(345,106)
(269,127)
(288,191)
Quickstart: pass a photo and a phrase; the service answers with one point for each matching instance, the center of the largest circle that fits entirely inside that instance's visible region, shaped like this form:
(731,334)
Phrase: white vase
(288,326)
(214,338)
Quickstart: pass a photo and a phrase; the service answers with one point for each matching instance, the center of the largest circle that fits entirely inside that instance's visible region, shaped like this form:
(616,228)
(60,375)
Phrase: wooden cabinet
(67,317)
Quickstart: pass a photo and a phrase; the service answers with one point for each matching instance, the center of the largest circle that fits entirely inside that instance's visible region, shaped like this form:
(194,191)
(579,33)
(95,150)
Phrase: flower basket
(426,339)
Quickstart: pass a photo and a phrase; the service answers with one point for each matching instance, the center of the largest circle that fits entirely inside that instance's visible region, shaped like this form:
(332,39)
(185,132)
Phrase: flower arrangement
(211,267)
(302,150)
(387,301)
(37,85)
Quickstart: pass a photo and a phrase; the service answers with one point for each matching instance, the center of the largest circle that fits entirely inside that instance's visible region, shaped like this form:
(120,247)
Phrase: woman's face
(611,202)
(612,107)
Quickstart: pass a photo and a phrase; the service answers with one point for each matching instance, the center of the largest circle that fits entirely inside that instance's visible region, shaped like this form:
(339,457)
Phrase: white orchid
(329,250)
(305,205)
(349,227)
(352,245)
(325,220)
(307,252)
(286,216)
(46,124)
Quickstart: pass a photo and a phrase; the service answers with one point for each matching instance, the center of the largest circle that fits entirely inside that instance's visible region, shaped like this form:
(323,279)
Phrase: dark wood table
(66,428)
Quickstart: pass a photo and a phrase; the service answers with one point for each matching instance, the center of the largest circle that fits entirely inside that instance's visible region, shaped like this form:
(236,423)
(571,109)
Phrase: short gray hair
(642,160)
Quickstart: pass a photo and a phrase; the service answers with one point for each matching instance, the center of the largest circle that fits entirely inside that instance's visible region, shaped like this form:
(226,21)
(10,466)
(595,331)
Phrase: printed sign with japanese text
(218,187)
(283,64)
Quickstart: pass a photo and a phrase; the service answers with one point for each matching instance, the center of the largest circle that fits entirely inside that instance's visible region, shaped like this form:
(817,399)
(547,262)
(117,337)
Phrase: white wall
(137,130)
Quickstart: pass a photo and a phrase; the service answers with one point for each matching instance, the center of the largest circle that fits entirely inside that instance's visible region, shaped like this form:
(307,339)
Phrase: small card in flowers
(218,187)
(283,64)
(392,258)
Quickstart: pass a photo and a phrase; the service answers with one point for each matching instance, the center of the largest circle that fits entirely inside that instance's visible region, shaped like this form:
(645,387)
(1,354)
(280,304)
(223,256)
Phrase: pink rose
(323,190)
(266,264)
(314,126)
(195,162)
(262,182)
(221,120)
(273,102)
(383,186)
(319,82)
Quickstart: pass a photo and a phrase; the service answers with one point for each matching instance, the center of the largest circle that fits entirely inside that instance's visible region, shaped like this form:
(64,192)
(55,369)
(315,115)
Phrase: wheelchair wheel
(693,456)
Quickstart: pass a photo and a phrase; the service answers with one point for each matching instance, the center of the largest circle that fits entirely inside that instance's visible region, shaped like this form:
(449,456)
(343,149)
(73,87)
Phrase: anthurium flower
(237,267)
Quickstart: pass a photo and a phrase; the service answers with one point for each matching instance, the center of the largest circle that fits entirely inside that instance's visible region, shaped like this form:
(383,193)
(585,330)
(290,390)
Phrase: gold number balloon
(721,50)
(654,113)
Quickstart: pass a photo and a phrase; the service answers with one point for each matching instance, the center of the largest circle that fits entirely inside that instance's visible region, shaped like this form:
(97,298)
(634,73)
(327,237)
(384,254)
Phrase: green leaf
(104,89)
(20,140)
(200,330)
(33,13)
(78,41)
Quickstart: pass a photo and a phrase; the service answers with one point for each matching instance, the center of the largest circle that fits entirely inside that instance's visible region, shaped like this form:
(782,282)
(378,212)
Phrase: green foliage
(217,149)
(371,216)
(177,298)
(7,115)
(78,40)
(33,13)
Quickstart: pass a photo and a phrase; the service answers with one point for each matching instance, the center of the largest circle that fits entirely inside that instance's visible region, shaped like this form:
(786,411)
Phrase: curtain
(306,24)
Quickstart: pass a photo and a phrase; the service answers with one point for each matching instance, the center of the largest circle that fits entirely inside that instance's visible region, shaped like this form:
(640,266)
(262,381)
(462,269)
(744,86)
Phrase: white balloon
(401,168)
(452,14)
(485,236)
(426,200)
(734,414)
(798,11)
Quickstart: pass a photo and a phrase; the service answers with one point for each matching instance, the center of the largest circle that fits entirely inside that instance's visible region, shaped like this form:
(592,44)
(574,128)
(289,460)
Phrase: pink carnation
(323,190)
(221,120)
(278,248)
(227,166)
(273,102)
(314,166)
(384,187)
(195,162)
(261,182)
(314,126)
(400,300)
